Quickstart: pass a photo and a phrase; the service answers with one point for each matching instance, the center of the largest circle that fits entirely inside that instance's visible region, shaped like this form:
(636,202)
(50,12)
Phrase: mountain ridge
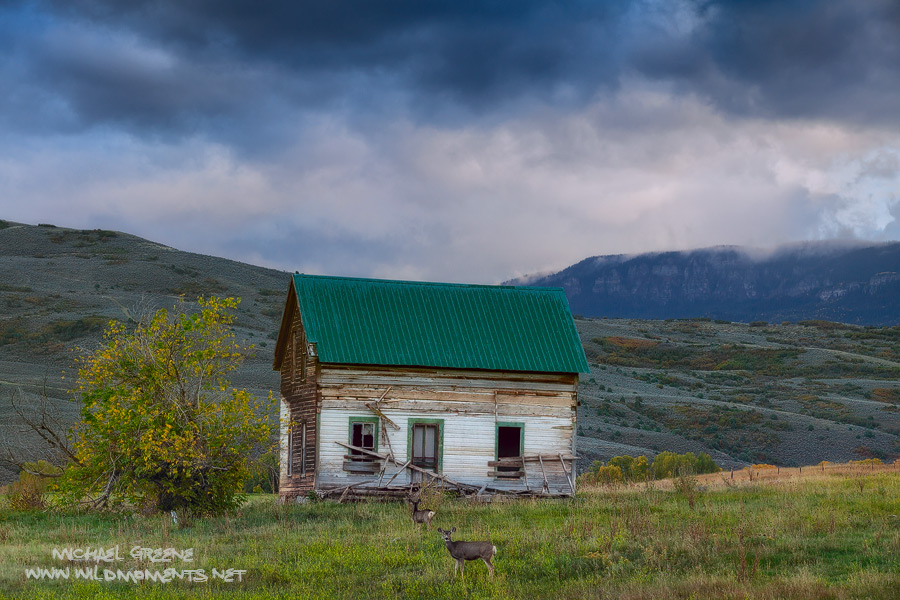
(841,281)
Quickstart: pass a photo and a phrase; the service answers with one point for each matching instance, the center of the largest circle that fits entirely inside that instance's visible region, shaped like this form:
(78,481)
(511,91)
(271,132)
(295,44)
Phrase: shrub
(604,475)
(633,468)
(28,492)
(161,426)
(670,464)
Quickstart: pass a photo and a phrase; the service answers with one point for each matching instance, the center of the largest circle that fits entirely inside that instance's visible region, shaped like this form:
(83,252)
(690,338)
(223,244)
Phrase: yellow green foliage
(28,492)
(604,475)
(634,468)
(671,464)
(161,427)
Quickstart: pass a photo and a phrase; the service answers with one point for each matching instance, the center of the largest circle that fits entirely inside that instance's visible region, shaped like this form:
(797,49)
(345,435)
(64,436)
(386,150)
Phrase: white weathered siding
(470,404)
(284,418)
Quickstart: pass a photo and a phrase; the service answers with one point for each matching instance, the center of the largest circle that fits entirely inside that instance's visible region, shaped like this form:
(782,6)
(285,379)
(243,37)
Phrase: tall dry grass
(835,534)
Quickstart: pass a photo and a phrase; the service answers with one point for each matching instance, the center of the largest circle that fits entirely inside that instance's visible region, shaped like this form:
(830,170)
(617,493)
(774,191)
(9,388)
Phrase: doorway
(510,444)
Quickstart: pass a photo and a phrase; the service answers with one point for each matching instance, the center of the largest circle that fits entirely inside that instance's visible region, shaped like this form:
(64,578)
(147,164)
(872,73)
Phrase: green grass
(832,537)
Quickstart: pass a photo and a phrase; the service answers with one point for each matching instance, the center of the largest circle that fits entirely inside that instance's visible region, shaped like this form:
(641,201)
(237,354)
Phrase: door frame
(410,425)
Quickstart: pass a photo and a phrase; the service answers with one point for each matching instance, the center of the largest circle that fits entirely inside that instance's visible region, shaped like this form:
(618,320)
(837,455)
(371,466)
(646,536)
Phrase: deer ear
(453,530)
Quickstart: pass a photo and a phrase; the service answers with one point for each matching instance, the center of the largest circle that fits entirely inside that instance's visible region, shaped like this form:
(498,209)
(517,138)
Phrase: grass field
(832,534)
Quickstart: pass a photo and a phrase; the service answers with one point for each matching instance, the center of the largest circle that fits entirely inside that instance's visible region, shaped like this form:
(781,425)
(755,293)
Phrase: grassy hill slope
(59,287)
(789,394)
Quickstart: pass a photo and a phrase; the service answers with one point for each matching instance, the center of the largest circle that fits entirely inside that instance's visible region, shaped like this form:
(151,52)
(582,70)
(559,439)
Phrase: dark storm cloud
(171,64)
(187,66)
(837,59)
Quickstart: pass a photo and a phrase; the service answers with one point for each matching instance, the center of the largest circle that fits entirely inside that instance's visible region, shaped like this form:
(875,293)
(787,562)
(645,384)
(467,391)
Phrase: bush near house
(161,427)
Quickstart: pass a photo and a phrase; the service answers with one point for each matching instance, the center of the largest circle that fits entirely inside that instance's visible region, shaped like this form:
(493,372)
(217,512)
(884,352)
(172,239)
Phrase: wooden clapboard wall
(470,403)
(299,392)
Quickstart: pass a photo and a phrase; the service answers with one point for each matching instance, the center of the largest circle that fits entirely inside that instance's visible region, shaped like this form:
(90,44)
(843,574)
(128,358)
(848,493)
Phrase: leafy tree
(161,427)
(671,464)
(624,463)
(640,469)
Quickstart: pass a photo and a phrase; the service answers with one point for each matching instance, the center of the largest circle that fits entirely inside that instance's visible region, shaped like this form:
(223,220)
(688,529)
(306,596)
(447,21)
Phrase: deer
(463,551)
(420,515)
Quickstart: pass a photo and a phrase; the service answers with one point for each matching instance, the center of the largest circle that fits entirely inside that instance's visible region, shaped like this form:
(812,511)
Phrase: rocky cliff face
(852,284)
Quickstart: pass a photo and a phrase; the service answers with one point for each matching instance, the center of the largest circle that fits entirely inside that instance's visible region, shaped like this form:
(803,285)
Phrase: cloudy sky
(451,139)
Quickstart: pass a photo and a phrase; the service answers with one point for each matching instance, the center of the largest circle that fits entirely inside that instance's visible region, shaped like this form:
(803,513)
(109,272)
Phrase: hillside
(793,394)
(59,287)
(836,282)
(787,394)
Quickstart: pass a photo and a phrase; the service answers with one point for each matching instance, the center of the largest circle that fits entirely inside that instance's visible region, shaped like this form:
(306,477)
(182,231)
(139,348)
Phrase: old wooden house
(385,384)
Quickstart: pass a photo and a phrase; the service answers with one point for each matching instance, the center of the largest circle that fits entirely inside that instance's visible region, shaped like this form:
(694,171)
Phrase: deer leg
(489,565)
(461,563)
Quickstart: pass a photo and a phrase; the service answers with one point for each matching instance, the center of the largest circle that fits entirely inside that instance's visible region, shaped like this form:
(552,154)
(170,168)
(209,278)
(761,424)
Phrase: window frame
(290,451)
(410,425)
(365,419)
(303,449)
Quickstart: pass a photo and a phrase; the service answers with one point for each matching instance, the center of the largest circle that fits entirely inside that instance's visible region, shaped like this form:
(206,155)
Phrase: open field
(831,534)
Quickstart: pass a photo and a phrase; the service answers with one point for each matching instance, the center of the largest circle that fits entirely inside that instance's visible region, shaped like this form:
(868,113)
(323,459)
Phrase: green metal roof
(380,322)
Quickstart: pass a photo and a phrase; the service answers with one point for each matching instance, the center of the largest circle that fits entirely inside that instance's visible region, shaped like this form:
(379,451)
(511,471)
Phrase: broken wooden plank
(544,475)
(511,461)
(347,489)
(566,471)
(505,474)
(375,409)
(412,467)
(359,458)
(357,467)
(381,474)
(398,472)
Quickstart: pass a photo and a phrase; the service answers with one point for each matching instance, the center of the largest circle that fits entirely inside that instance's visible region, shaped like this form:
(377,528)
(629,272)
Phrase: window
(303,449)
(363,433)
(290,451)
(424,452)
(426,445)
(510,444)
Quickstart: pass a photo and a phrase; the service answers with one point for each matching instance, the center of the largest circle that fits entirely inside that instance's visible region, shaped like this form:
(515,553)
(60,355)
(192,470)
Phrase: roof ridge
(431,283)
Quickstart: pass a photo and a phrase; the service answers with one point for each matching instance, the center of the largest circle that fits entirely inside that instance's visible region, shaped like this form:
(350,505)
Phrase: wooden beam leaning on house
(461,486)
(464,488)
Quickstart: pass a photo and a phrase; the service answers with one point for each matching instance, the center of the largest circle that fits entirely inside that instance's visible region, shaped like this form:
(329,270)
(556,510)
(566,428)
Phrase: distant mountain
(824,280)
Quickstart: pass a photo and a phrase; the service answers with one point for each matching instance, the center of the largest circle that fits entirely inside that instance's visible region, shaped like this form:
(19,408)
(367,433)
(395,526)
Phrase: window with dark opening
(509,445)
(362,435)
